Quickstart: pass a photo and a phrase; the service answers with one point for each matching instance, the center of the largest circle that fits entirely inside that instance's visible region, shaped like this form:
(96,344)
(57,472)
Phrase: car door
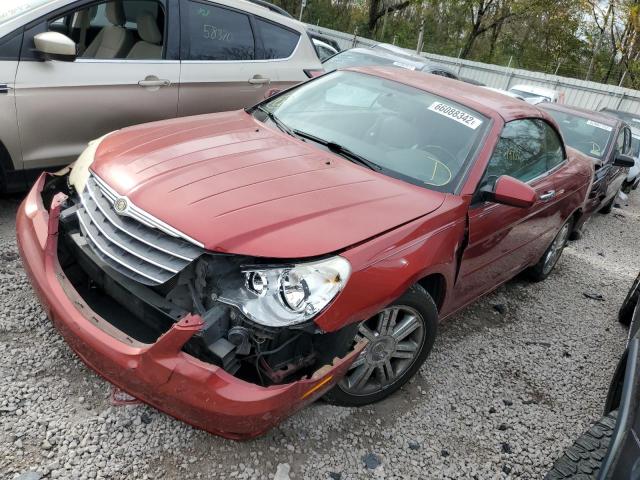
(62,105)
(225,64)
(504,239)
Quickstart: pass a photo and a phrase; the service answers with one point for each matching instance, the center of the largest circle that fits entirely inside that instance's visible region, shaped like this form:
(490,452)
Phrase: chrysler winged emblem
(120,205)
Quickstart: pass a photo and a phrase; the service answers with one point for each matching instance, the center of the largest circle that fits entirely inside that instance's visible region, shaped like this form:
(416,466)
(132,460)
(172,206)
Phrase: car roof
(584,113)
(487,102)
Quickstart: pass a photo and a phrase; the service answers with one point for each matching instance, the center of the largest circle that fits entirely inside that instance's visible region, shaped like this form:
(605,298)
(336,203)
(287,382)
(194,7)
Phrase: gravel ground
(512,381)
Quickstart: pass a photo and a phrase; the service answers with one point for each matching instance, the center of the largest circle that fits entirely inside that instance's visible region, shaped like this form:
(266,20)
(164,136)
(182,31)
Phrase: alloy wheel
(395,335)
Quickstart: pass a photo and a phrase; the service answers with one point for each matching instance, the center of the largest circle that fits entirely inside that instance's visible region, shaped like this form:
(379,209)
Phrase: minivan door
(126,73)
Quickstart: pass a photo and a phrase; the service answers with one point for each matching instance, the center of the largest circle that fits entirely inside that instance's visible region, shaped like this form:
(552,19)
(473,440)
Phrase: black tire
(609,206)
(417,299)
(583,459)
(543,269)
(628,306)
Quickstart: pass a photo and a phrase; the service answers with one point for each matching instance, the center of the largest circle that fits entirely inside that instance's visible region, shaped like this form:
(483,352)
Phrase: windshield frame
(459,180)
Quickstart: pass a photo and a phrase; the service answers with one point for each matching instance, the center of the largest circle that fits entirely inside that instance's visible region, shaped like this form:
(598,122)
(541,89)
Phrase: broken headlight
(278,296)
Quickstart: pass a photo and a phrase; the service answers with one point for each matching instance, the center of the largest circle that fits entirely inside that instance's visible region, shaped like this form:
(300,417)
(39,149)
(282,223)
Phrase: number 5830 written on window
(211,32)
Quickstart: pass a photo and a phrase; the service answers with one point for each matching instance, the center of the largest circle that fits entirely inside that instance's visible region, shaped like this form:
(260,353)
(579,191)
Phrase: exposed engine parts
(257,353)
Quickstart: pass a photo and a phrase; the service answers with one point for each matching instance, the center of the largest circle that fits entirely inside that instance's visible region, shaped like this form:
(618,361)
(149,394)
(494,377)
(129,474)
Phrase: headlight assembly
(288,295)
(80,168)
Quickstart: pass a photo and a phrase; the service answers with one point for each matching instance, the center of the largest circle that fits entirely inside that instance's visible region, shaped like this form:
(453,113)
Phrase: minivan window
(216,33)
(277,42)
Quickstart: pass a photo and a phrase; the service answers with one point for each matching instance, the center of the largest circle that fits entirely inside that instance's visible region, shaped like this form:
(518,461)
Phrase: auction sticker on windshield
(599,125)
(456,114)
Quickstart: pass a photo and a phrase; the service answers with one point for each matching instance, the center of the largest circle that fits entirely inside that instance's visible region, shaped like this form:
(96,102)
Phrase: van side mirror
(625,161)
(511,191)
(56,46)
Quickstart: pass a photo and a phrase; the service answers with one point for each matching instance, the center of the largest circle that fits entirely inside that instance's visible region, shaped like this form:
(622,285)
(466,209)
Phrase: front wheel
(400,339)
(550,257)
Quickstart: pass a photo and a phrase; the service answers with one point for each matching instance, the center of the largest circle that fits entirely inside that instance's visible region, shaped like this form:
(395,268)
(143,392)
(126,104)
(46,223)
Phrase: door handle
(259,80)
(154,82)
(546,196)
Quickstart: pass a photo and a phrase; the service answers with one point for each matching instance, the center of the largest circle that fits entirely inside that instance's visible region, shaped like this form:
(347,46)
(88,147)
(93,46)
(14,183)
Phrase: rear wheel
(400,339)
(583,459)
(550,257)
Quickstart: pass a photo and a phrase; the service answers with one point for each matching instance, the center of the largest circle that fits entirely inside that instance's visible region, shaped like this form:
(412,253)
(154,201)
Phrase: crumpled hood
(239,186)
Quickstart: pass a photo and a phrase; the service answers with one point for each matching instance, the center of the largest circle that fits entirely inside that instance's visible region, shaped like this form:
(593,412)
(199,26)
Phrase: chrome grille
(137,245)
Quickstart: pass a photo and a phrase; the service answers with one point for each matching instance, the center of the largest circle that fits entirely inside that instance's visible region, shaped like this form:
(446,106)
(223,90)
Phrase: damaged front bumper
(160,374)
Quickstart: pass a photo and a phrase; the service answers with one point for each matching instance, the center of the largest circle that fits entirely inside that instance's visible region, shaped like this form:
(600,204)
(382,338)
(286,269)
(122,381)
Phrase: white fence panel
(580,93)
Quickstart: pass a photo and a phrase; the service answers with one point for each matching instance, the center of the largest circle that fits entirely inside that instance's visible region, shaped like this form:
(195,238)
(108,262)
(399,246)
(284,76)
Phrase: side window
(520,152)
(128,29)
(276,42)
(215,33)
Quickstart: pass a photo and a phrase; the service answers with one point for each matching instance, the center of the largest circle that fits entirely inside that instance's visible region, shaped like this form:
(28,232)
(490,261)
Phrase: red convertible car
(230,268)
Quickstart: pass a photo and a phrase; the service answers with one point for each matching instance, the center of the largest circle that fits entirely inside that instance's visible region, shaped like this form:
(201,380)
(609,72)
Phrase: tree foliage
(587,39)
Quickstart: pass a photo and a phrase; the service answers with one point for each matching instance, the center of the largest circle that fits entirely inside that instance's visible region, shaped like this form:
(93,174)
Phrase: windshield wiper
(340,150)
(282,126)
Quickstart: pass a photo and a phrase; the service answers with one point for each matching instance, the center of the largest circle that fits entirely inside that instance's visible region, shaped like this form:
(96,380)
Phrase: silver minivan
(73,70)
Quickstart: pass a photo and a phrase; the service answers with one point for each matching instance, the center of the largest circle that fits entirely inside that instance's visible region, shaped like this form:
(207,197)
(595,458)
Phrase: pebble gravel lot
(512,381)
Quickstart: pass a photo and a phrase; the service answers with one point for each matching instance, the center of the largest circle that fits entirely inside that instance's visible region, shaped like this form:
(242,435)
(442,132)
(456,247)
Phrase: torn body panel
(160,373)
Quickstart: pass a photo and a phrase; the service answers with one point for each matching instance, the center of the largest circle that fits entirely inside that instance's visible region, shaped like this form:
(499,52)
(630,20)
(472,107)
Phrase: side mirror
(56,46)
(271,92)
(623,161)
(513,192)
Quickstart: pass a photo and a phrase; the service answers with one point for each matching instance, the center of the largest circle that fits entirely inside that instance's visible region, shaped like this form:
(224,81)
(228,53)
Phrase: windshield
(524,94)
(404,132)
(349,58)
(10,9)
(588,136)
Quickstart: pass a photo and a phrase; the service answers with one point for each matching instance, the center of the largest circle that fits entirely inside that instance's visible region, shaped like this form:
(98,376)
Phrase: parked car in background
(71,71)
(323,49)
(361,57)
(506,92)
(231,268)
(534,95)
(610,449)
(606,140)
(633,120)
